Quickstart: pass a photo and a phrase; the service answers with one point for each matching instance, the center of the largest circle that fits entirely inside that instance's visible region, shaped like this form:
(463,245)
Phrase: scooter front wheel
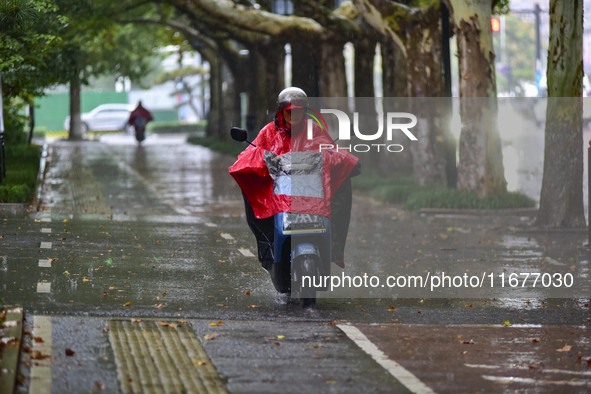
(307,268)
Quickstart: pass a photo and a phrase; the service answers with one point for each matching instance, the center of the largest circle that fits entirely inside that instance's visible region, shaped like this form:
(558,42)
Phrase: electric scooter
(302,241)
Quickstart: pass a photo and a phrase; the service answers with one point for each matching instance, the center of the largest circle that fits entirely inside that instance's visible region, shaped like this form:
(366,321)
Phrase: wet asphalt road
(157,232)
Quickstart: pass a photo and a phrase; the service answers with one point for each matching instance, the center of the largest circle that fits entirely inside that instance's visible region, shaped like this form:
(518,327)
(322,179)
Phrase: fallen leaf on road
(216,324)
(252,306)
(507,323)
(280,336)
(37,355)
(210,337)
(167,324)
(565,348)
(70,352)
(128,303)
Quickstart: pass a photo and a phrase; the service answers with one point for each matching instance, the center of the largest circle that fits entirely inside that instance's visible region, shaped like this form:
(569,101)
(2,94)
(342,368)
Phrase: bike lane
(481,358)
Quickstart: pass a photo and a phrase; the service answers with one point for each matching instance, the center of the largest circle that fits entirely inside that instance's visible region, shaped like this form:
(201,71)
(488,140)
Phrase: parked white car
(105,117)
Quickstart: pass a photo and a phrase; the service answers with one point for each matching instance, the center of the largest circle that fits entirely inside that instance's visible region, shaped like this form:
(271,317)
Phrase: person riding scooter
(288,133)
(139,119)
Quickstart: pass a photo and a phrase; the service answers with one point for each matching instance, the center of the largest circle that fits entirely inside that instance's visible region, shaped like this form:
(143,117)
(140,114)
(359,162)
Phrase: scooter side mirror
(239,134)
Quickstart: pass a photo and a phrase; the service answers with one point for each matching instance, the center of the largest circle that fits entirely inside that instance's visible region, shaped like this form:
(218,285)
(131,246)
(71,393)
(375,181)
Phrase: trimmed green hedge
(229,147)
(404,191)
(175,127)
(22,168)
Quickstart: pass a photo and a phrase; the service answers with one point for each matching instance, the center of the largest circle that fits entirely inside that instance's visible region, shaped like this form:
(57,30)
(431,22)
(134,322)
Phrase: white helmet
(292,95)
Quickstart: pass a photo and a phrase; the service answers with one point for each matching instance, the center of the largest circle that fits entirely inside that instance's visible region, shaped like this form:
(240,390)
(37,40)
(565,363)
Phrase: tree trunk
(269,66)
(215,94)
(395,84)
(332,81)
(561,199)
(425,79)
(305,67)
(75,133)
(229,103)
(481,163)
(394,80)
(365,97)
(31,105)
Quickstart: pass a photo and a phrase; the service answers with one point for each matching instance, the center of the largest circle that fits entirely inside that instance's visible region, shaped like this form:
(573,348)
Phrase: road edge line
(404,376)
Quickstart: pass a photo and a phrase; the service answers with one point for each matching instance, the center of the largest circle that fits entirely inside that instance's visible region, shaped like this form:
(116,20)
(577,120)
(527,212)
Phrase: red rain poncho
(251,173)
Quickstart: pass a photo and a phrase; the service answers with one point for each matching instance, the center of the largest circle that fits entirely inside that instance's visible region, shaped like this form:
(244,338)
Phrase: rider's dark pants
(341,217)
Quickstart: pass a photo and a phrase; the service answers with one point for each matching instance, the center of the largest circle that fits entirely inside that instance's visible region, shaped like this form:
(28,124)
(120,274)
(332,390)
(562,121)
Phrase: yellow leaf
(506,323)
(167,324)
(280,336)
(565,348)
(85,280)
(216,324)
(128,303)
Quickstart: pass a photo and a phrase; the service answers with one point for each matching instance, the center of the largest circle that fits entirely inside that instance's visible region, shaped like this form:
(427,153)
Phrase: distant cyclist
(139,119)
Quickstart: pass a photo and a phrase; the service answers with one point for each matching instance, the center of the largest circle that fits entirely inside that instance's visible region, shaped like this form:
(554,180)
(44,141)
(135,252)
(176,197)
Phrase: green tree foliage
(49,42)
(29,46)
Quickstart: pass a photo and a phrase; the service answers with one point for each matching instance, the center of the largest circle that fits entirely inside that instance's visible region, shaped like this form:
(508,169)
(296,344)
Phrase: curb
(11,333)
(479,212)
(14,208)
(41,177)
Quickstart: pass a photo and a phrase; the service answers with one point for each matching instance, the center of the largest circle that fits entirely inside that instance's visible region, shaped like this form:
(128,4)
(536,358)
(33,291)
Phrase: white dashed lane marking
(43,287)
(246,253)
(45,263)
(45,245)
